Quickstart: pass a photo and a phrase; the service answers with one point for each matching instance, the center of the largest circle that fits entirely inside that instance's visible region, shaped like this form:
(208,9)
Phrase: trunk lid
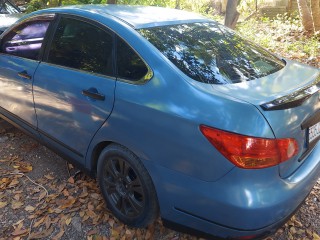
(289,100)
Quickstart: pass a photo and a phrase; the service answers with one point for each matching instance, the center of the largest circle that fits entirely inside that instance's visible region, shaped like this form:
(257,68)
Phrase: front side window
(129,65)
(210,53)
(26,39)
(83,46)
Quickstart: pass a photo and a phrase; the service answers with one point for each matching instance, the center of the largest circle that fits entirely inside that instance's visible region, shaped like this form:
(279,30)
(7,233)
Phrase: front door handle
(24,74)
(93,93)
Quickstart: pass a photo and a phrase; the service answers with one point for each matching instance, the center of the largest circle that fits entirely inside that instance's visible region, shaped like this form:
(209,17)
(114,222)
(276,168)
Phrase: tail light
(251,152)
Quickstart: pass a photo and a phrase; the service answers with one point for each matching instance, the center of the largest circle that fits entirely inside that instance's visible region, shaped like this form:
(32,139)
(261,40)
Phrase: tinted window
(210,53)
(80,45)
(25,40)
(130,66)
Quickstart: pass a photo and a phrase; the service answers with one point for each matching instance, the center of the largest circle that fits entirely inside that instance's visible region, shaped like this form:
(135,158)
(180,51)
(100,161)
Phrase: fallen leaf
(16,204)
(29,208)
(3,204)
(39,222)
(65,193)
(20,232)
(71,180)
(115,234)
(13,183)
(92,232)
(68,221)
(41,235)
(95,196)
(315,236)
(68,203)
(59,235)
(42,195)
(49,177)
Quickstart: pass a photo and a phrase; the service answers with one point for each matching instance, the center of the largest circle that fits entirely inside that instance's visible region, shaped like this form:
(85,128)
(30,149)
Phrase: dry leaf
(39,222)
(42,195)
(115,234)
(16,204)
(49,177)
(29,208)
(71,180)
(20,232)
(3,204)
(65,193)
(92,232)
(68,203)
(59,235)
(13,183)
(95,196)
(315,236)
(68,221)
(41,235)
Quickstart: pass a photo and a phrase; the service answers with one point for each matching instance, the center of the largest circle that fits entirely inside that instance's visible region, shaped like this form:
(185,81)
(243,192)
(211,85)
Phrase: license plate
(314,132)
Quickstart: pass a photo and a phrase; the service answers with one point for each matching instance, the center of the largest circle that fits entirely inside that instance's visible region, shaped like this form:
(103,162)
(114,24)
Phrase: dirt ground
(43,197)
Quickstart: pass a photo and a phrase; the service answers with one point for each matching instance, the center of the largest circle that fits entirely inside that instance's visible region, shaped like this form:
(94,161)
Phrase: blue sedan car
(175,114)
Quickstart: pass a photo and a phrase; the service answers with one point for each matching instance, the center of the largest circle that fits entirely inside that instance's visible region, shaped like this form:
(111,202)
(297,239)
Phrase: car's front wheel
(127,186)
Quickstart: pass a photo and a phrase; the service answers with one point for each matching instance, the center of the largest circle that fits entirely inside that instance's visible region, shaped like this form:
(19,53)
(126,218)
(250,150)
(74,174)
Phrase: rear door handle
(93,93)
(24,74)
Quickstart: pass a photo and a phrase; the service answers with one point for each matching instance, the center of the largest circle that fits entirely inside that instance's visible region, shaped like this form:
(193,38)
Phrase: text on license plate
(314,132)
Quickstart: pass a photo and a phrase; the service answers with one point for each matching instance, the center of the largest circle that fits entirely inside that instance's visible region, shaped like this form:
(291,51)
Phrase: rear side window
(211,53)
(26,39)
(81,45)
(129,65)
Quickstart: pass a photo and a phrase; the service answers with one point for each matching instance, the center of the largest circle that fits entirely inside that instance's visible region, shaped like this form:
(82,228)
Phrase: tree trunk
(112,2)
(315,11)
(232,15)
(177,4)
(305,15)
(289,8)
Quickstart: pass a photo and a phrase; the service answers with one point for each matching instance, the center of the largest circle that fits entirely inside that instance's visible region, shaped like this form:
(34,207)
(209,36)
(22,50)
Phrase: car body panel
(148,16)
(247,207)
(177,113)
(15,91)
(280,84)
(158,120)
(290,78)
(63,112)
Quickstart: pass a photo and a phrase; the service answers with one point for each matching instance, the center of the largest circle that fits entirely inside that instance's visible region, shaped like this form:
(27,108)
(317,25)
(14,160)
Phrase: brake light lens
(251,152)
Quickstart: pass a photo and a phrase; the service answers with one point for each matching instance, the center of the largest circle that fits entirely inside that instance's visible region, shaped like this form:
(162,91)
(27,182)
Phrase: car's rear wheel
(127,186)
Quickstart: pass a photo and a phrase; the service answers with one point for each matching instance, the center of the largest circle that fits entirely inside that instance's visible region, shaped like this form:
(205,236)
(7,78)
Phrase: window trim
(146,78)
(41,17)
(86,20)
(103,27)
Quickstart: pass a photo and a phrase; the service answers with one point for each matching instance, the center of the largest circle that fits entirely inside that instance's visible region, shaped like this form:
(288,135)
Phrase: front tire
(127,187)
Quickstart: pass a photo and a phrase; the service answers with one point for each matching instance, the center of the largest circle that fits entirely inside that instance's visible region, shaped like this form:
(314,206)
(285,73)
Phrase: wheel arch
(95,156)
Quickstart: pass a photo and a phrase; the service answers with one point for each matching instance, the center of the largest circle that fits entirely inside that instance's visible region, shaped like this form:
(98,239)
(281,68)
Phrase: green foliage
(36,5)
(283,36)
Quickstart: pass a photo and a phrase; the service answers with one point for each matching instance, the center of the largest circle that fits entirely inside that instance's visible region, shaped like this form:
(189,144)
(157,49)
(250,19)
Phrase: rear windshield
(211,53)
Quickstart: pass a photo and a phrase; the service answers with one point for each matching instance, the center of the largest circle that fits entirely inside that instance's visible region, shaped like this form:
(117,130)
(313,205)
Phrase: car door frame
(70,154)
(8,116)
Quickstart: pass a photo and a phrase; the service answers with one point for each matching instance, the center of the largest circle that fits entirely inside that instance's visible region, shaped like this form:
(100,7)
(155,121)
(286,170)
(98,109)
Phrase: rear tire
(127,187)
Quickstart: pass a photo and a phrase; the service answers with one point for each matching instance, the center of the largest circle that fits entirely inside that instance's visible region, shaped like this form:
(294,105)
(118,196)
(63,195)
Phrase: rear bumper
(242,203)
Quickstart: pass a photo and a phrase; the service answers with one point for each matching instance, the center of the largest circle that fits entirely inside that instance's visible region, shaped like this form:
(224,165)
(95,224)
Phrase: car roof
(139,16)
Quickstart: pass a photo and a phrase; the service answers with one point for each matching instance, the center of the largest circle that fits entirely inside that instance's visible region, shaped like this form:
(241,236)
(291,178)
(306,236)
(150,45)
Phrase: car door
(74,85)
(19,59)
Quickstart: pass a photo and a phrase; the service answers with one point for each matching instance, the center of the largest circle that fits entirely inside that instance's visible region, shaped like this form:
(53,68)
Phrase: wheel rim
(124,187)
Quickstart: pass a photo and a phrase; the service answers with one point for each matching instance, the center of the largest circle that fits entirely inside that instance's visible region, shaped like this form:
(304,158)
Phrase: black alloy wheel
(127,186)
